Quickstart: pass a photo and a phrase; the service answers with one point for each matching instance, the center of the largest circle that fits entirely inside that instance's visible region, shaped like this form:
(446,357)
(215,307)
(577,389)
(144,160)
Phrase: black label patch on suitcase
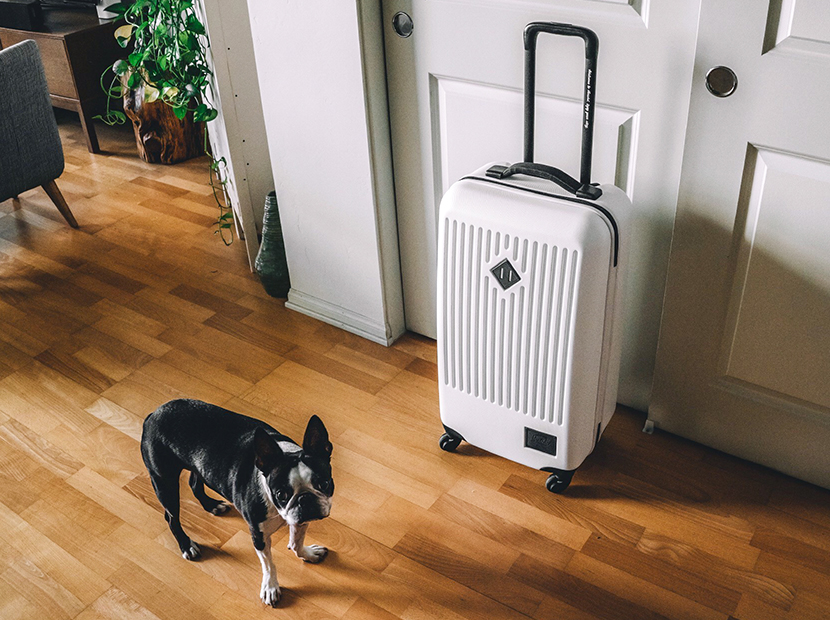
(540,441)
(506,275)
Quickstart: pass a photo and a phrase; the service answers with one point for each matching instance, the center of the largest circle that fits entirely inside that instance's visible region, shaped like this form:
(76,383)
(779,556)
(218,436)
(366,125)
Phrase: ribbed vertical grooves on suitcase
(508,347)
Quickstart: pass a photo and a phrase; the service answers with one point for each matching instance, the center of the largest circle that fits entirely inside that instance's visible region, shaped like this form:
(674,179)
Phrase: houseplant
(167,63)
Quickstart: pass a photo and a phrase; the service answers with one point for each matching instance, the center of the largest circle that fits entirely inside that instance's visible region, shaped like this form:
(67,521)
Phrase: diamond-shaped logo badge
(505,274)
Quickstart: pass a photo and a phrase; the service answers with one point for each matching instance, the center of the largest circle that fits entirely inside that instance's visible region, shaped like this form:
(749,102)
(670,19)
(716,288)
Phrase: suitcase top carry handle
(583,187)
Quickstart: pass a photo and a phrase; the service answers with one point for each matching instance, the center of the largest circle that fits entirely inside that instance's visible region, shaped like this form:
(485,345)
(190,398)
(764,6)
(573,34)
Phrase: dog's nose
(308,507)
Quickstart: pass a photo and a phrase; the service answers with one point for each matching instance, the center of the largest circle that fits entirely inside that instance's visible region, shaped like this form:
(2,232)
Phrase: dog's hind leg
(210,504)
(167,490)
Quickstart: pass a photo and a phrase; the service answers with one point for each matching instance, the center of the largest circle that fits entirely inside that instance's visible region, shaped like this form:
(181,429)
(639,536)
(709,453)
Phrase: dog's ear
(268,453)
(316,440)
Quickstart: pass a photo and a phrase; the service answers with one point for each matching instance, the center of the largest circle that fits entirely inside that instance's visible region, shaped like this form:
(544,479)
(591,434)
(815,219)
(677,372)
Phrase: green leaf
(134,80)
(200,112)
(120,67)
(194,25)
(122,34)
(119,8)
(169,91)
(135,58)
(116,91)
(151,93)
(180,111)
(211,115)
(187,40)
(113,117)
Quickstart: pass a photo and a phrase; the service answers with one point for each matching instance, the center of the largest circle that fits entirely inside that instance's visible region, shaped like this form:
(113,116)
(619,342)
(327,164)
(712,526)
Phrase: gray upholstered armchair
(30,146)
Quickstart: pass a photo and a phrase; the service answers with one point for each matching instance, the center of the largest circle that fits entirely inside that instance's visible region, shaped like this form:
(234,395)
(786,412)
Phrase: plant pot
(270,263)
(160,136)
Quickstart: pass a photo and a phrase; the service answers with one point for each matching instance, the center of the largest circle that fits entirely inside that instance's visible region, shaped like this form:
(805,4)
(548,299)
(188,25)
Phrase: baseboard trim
(340,317)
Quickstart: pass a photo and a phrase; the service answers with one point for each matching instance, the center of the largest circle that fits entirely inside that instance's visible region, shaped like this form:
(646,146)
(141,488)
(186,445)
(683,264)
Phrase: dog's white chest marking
(273,520)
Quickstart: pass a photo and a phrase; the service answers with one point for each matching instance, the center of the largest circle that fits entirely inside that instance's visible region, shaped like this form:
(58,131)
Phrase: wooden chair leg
(51,188)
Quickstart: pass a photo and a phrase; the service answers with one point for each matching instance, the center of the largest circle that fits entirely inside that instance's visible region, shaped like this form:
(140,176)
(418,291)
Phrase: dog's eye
(283,495)
(324,486)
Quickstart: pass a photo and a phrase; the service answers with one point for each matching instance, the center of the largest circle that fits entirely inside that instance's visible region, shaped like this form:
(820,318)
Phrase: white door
(744,357)
(456,104)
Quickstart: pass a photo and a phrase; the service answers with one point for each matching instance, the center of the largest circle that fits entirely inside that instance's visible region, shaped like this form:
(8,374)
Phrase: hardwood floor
(142,304)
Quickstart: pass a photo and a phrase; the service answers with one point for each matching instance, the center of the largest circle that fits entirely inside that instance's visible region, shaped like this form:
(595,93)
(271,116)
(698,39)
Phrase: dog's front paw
(221,508)
(192,553)
(270,593)
(313,554)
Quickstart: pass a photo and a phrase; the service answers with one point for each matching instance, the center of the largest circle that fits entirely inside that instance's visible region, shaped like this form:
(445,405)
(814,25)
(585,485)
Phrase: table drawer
(55,60)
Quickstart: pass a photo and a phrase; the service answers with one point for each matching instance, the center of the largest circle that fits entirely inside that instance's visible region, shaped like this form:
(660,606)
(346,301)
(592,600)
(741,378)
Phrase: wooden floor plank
(115,605)
(638,592)
(43,559)
(694,586)
(693,560)
(143,303)
(579,513)
(494,584)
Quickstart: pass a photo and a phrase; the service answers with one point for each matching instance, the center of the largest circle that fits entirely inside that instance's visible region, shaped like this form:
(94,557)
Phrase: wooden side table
(76,49)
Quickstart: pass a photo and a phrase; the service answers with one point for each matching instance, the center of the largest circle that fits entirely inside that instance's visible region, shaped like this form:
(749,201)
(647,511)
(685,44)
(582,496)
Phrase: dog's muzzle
(309,508)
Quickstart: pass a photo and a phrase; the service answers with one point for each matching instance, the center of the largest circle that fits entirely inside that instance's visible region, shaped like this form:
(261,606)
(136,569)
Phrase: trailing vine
(169,56)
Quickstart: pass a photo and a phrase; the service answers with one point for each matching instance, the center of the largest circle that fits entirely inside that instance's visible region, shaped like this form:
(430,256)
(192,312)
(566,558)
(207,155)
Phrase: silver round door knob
(721,81)
(402,23)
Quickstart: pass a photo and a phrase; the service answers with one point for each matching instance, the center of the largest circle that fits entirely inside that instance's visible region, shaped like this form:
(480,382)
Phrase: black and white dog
(269,478)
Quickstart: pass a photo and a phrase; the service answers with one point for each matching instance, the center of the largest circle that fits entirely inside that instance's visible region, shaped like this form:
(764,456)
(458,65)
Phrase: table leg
(88,128)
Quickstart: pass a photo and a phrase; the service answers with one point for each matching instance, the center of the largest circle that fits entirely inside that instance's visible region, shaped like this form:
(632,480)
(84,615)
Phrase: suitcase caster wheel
(448,443)
(558,481)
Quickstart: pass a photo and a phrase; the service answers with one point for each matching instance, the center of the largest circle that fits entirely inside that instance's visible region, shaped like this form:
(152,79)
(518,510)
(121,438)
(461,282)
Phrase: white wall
(321,78)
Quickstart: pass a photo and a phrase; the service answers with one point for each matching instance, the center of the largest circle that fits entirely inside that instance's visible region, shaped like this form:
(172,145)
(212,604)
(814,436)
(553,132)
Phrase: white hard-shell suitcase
(530,266)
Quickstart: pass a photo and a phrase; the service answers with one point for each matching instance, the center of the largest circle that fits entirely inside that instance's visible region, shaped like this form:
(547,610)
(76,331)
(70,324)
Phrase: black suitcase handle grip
(562,179)
(531,33)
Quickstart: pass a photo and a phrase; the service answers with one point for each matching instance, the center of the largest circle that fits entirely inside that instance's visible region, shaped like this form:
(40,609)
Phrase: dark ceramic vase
(270,263)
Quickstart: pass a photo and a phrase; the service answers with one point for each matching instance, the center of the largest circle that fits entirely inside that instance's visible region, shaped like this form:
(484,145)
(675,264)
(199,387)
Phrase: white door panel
(455,103)
(782,280)
(744,351)
(799,26)
(465,107)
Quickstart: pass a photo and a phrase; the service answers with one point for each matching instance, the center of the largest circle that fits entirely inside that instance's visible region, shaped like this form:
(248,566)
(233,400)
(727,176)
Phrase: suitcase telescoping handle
(583,187)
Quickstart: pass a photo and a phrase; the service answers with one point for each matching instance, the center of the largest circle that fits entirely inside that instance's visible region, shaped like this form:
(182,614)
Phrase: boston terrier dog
(268,478)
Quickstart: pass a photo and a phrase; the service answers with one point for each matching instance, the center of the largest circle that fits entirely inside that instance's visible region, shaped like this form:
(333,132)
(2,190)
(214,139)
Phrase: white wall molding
(343,318)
